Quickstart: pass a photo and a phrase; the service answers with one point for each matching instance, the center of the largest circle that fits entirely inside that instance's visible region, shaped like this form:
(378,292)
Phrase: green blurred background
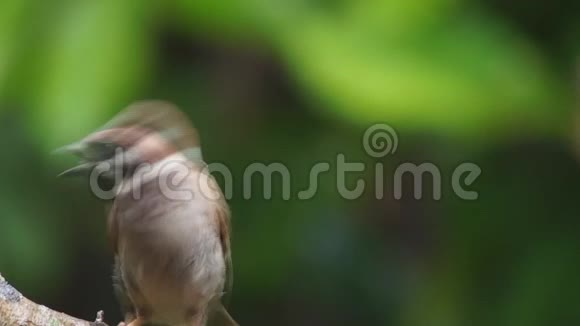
(295,81)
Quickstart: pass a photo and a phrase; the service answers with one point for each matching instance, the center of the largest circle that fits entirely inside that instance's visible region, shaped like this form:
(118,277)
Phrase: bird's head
(144,132)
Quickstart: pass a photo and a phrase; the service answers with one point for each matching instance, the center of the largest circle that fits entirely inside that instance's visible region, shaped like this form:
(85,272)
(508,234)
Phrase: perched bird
(169,224)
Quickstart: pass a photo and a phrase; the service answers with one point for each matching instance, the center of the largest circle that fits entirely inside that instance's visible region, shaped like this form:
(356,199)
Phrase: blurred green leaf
(12,13)
(30,243)
(545,284)
(93,65)
(466,78)
(229,17)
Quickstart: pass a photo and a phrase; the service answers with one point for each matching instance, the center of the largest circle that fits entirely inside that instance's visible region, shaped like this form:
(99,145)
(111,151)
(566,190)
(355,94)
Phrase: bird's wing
(113,228)
(223,222)
(221,317)
(119,286)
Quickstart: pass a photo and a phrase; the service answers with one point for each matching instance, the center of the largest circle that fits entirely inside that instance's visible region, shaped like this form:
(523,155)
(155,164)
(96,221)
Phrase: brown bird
(169,224)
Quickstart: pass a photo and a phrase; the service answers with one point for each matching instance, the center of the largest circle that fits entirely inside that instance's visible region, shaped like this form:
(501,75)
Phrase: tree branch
(15,309)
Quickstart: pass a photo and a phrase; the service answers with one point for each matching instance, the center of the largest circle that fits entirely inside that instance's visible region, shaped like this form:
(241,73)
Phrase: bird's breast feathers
(168,232)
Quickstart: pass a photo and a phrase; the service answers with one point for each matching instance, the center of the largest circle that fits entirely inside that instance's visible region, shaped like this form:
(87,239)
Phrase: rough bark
(16,310)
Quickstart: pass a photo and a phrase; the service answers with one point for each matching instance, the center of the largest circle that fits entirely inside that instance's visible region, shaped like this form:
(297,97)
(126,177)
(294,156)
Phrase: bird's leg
(136,322)
(129,318)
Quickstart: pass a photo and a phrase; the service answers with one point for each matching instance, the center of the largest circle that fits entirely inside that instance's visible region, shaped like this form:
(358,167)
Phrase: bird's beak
(79,170)
(75,148)
(79,150)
